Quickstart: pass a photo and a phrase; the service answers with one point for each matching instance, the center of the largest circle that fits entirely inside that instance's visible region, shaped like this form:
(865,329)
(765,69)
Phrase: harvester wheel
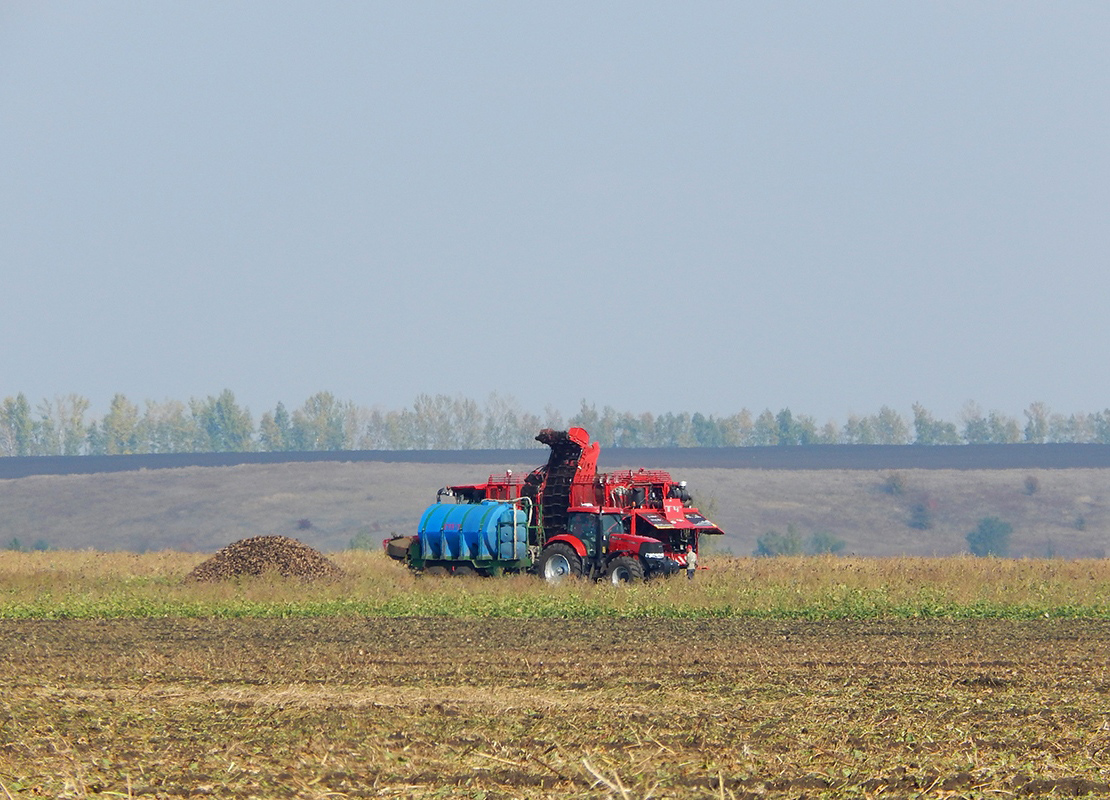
(559,561)
(436,571)
(625,569)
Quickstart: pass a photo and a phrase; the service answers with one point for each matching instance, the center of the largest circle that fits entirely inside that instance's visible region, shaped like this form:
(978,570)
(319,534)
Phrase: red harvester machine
(562,519)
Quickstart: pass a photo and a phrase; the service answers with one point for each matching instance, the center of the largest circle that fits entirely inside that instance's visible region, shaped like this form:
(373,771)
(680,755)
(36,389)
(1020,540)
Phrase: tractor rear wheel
(625,569)
(559,561)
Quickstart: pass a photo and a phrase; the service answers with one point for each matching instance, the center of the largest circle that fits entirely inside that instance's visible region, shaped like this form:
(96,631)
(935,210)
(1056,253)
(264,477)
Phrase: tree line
(64,426)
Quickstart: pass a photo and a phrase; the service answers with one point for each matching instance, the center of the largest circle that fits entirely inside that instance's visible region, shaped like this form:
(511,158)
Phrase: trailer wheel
(437,571)
(625,569)
(465,571)
(559,561)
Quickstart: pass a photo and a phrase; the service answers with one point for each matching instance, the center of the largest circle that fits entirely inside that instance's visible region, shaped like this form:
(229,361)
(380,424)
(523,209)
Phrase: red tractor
(562,519)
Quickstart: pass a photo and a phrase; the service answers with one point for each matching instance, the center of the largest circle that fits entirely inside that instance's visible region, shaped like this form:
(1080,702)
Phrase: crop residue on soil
(503,709)
(261,554)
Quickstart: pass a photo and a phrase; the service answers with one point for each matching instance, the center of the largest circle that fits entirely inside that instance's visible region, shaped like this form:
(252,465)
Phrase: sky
(704,207)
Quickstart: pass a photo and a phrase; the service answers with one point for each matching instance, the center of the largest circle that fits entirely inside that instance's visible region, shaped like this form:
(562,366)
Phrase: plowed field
(553,709)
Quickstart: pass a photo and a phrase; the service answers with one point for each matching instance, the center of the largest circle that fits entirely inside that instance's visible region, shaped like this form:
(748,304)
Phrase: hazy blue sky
(655,206)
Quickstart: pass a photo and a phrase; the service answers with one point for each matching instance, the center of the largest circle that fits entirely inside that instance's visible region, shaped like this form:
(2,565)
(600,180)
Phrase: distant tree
(71,410)
(706,431)
(627,431)
(895,483)
(438,422)
(1083,427)
(787,429)
(766,429)
(793,430)
(502,425)
(1102,427)
(824,543)
(364,540)
(17,546)
(47,432)
(928,430)
(922,425)
(606,427)
(587,417)
(381,430)
(976,430)
(886,427)
(859,430)
(168,429)
(399,429)
(120,428)
(674,430)
(1036,423)
(737,429)
(269,440)
(922,513)
(990,538)
(773,543)
(466,424)
(320,424)
(1003,429)
(276,432)
(222,426)
(431,421)
(829,433)
(995,428)
(890,428)
(530,425)
(806,427)
(94,440)
(512,427)
(17,426)
(1075,428)
(444,422)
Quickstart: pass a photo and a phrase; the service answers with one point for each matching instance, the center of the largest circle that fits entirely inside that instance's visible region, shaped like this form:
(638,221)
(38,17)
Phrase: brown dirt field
(554,709)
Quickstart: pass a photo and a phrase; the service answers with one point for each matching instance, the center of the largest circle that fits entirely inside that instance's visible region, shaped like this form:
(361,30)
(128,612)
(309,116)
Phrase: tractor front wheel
(625,569)
(559,561)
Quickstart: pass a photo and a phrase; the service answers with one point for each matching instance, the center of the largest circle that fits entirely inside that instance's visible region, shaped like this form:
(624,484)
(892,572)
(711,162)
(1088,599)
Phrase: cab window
(612,523)
(584,526)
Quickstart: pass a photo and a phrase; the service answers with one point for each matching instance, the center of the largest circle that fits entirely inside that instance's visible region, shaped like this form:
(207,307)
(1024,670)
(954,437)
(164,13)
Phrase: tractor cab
(602,540)
(594,527)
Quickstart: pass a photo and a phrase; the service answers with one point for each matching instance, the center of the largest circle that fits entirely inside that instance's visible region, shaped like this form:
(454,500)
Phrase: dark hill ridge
(802,457)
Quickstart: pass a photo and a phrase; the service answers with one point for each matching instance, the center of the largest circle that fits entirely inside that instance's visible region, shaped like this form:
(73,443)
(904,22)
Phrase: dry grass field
(763,678)
(89,584)
(326,505)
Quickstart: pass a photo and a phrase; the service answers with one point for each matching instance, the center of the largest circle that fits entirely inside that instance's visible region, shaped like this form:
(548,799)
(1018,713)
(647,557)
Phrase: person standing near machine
(691,562)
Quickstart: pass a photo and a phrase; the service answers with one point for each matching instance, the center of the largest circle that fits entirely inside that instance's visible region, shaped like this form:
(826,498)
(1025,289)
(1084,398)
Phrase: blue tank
(486,531)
